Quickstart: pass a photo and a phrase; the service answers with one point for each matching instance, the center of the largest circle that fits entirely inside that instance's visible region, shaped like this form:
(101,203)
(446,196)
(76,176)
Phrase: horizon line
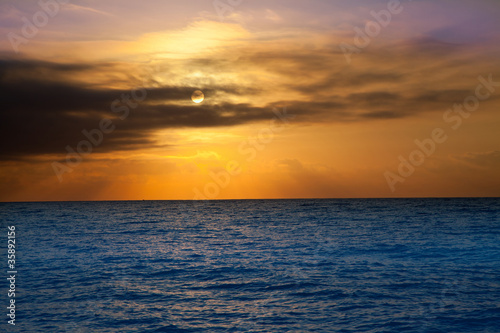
(248,199)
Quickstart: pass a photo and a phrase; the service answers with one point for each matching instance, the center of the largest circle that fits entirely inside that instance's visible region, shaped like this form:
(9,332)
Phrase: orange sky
(286,113)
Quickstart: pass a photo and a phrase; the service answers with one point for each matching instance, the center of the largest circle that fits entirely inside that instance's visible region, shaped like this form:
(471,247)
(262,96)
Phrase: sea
(339,265)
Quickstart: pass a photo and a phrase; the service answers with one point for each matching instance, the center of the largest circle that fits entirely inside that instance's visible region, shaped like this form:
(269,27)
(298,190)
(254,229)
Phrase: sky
(302,99)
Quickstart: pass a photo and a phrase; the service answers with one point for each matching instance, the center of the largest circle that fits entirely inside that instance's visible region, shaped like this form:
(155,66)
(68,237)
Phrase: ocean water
(373,265)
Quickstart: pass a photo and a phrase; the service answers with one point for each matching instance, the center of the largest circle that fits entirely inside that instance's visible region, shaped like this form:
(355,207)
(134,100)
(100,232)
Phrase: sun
(197,96)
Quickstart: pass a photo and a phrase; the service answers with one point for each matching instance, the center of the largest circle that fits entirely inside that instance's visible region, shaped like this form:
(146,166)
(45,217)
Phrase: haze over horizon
(302,99)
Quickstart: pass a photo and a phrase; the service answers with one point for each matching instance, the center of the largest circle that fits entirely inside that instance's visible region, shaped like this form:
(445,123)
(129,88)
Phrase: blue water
(392,265)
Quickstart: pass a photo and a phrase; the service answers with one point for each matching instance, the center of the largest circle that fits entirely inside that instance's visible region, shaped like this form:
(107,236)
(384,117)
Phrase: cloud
(88,9)
(290,164)
(350,79)
(482,160)
(41,116)
(271,15)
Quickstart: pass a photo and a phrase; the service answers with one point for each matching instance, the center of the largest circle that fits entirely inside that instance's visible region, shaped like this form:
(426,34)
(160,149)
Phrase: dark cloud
(383,115)
(43,116)
(425,46)
(376,98)
(347,79)
(448,97)
(16,65)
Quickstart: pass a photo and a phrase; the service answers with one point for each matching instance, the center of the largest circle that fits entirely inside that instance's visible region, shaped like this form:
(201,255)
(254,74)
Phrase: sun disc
(197,96)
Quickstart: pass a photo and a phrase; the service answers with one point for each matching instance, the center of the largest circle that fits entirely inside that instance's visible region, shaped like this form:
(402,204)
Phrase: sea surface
(364,265)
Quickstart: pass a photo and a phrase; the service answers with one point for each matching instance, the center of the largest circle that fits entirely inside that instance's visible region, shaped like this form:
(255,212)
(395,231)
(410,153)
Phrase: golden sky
(302,99)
